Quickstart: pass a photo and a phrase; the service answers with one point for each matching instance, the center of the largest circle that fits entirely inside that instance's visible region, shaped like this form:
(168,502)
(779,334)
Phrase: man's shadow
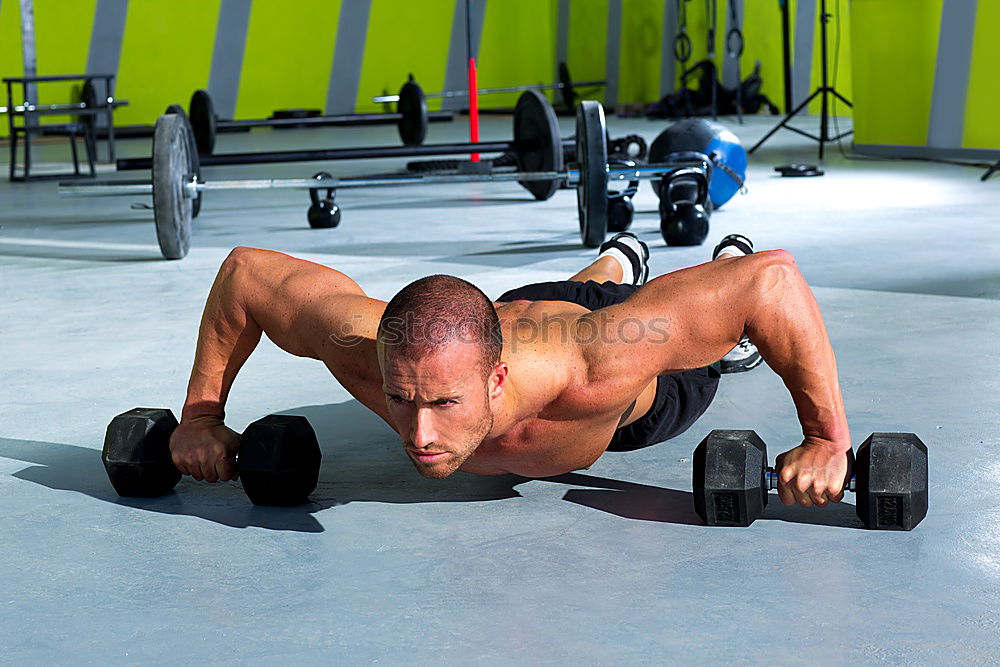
(363,461)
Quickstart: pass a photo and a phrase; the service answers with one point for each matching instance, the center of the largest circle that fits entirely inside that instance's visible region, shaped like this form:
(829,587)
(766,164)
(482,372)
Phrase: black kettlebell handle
(314,192)
(696,174)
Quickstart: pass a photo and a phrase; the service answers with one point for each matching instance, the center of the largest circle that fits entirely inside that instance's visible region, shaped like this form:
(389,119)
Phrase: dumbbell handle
(771,478)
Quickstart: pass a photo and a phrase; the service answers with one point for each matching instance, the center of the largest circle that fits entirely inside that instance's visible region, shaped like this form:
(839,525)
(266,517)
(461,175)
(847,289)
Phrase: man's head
(439,347)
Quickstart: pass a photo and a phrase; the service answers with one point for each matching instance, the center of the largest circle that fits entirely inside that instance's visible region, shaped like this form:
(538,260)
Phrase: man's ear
(498,380)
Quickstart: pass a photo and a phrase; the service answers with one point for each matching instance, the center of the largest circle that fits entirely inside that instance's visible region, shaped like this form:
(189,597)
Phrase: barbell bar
(565,84)
(386,99)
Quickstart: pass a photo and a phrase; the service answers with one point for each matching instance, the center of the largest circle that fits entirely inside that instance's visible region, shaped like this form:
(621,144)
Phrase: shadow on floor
(363,462)
(652,503)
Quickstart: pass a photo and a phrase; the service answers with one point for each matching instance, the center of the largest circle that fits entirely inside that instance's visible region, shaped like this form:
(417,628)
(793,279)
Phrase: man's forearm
(227,336)
(787,326)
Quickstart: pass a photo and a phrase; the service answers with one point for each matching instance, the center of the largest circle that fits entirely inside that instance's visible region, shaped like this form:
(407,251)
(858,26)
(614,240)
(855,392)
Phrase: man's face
(439,404)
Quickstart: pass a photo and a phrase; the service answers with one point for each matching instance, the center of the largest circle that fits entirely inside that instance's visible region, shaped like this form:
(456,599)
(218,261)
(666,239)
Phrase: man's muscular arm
(256,291)
(693,317)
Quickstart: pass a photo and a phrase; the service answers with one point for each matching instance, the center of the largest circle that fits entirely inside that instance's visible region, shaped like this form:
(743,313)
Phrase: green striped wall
(167,49)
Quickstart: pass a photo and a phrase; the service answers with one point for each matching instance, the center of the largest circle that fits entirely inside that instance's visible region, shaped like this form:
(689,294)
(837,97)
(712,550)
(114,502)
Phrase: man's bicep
(683,320)
(299,304)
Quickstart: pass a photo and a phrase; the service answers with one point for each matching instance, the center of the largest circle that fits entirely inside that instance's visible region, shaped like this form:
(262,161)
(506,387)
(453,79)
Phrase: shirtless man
(541,382)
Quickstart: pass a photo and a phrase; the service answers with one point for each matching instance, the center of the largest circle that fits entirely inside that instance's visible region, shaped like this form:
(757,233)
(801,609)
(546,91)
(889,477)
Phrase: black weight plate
(202,116)
(412,110)
(592,190)
(537,143)
(171,207)
(195,162)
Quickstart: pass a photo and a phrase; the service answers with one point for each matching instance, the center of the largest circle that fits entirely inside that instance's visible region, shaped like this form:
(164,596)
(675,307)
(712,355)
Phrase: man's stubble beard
(440,472)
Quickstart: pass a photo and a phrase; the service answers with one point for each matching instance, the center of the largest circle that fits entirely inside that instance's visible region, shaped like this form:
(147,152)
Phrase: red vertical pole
(473,107)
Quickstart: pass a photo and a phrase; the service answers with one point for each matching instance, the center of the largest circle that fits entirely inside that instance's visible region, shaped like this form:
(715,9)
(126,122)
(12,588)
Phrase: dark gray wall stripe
(562,37)
(613,53)
(456,75)
(29,60)
(348,56)
(106,36)
(28,39)
(802,51)
(731,68)
(951,74)
(668,71)
(227,55)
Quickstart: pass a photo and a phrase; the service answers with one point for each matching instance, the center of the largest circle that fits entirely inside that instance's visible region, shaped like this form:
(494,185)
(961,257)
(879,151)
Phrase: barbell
(536,145)
(565,86)
(411,118)
(175,187)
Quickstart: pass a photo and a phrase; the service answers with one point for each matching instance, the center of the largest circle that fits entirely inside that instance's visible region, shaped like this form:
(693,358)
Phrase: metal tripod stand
(824,91)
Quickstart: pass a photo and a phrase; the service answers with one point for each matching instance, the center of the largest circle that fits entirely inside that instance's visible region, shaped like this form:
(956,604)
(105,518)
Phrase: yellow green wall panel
(166,55)
(641,51)
(11,64)
(404,37)
(588,39)
(895,53)
(982,131)
(518,47)
(288,56)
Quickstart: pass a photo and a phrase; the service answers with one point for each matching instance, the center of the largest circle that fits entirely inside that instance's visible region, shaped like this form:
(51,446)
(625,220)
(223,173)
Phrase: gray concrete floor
(606,567)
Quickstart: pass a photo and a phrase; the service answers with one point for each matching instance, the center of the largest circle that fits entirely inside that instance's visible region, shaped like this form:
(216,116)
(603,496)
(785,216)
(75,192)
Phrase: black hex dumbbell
(731,479)
(278,459)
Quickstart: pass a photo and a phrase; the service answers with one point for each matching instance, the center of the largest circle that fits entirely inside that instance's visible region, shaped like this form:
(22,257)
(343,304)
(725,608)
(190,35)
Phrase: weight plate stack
(592,191)
(171,207)
(412,110)
(536,141)
(202,117)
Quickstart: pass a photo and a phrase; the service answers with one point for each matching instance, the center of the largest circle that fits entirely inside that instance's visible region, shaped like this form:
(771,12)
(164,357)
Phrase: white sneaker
(741,358)
(632,254)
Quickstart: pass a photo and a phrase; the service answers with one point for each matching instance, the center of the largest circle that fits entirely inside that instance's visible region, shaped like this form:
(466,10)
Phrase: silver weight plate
(171,165)
(592,190)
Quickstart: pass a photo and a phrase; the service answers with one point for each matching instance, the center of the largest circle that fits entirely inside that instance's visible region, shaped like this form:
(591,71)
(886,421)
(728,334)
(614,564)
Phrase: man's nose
(423,433)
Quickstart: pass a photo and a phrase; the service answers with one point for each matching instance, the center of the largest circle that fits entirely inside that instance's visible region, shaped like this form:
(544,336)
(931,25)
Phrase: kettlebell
(684,207)
(620,207)
(323,213)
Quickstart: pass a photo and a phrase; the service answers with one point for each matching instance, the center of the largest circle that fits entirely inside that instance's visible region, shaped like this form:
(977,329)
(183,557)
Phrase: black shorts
(680,397)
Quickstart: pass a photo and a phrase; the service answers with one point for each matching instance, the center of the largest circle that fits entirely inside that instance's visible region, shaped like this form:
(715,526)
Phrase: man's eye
(445,403)
(397,399)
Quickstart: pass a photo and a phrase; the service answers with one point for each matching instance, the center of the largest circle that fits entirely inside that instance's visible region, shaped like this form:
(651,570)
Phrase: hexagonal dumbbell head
(137,452)
(279,460)
(728,478)
(891,481)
